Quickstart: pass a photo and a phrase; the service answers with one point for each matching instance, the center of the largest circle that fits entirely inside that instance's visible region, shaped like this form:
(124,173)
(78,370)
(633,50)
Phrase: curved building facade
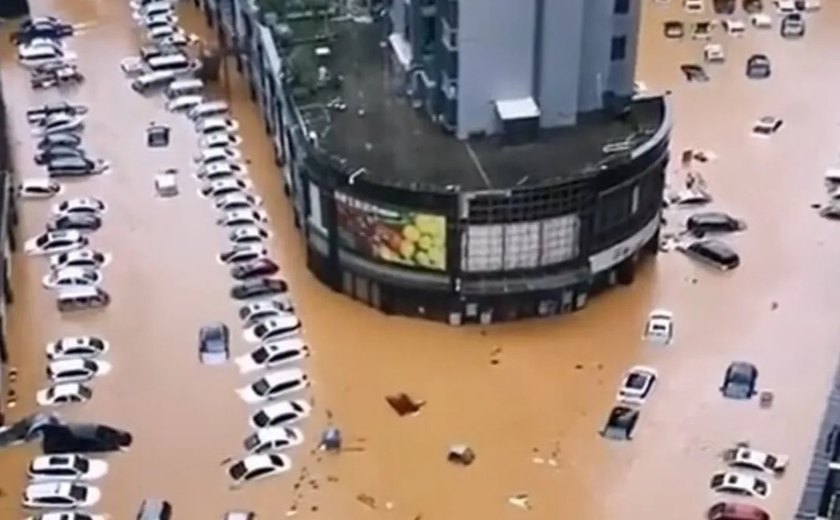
(454,246)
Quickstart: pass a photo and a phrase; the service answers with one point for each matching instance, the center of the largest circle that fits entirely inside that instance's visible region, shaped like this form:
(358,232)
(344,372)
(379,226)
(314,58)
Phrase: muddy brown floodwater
(555,380)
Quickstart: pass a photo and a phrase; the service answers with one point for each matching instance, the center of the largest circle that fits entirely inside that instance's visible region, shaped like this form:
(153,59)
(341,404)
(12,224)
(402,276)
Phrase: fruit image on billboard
(398,236)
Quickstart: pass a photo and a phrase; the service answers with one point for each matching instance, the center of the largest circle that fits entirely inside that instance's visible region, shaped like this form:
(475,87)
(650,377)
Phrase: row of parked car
(61,481)
(266,313)
(42,50)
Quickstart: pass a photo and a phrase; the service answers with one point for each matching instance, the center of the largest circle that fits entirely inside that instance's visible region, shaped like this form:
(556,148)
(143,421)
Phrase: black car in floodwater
(673,29)
(47,27)
(694,72)
(58,152)
(77,221)
(621,423)
(740,380)
(213,343)
(83,438)
(33,115)
(712,252)
(699,224)
(724,6)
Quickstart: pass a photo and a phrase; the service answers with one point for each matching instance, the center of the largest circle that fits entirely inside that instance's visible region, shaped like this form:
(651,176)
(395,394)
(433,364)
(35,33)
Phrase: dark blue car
(740,379)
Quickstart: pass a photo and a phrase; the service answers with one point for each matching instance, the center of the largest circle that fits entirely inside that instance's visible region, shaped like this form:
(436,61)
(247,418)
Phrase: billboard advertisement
(393,235)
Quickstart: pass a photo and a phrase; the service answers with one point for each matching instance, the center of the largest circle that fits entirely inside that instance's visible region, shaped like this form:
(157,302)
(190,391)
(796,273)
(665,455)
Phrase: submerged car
(712,252)
(80,205)
(713,222)
(71,277)
(636,385)
(257,268)
(76,370)
(767,126)
(275,438)
(77,347)
(753,6)
(280,413)
(744,457)
(74,221)
(76,167)
(53,242)
(621,423)
(724,6)
(63,393)
(258,287)
(58,152)
(241,253)
(736,511)
(793,26)
(273,354)
(60,495)
(274,385)
(255,312)
(694,73)
(213,343)
(271,329)
(739,484)
(249,235)
(659,327)
(61,139)
(673,29)
(67,467)
(83,438)
(39,189)
(258,467)
(225,187)
(739,381)
(758,66)
(86,258)
(702,30)
(239,200)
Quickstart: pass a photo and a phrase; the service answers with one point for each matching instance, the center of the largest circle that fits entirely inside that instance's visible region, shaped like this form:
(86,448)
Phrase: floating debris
(404,405)
(366,500)
(461,454)
(521,501)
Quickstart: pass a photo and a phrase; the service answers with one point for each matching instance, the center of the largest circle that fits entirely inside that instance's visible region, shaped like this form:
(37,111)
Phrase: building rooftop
(378,129)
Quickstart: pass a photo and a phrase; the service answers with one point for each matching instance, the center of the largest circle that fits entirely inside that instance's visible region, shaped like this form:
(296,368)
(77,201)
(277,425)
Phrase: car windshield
(82,465)
(261,419)
(78,492)
(276,460)
(636,381)
(90,365)
(770,461)
(717,480)
(260,355)
(261,387)
(237,471)
(251,442)
(42,240)
(85,392)
(261,329)
(296,406)
(759,486)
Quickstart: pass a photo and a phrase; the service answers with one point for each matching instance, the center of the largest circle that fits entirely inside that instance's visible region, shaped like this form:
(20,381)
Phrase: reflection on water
(516,393)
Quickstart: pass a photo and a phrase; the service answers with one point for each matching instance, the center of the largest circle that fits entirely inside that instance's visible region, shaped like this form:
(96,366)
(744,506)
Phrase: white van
(171,62)
(80,298)
(184,87)
(209,109)
(152,80)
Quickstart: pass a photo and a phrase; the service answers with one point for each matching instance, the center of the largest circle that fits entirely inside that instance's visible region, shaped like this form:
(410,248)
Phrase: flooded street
(553,381)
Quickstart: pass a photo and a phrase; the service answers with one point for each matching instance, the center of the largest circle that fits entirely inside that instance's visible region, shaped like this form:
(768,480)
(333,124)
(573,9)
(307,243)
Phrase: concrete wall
(560,61)
(496,46)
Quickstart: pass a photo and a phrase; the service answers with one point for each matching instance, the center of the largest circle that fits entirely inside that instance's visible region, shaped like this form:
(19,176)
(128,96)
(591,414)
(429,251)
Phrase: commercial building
(8,221)
(459,160)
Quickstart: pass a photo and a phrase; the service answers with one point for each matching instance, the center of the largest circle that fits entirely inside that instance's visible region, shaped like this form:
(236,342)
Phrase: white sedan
(85,258)
(280,413)
(80,205)
(72,515)
(52,242)
(60,495)
(240,200)
(39,188)
(67,467)
(276,438)
(242,253)
(282,326)
(274,385)
(225,187)
(71,277)
(249,235)
(76,370)
(744,457)
(252,313)
(258,467)
(220,139)
(660,327)
(64,393)
(213,125)
(637,385)
(184,103)
(242,217)
(77,347)
(739,484)
(211,155)
(274,354)
(221,170)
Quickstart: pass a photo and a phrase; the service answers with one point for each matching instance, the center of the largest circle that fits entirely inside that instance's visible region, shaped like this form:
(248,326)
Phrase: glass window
(622,6)
(560,239)
(522,246)
(483,249)
(618,49)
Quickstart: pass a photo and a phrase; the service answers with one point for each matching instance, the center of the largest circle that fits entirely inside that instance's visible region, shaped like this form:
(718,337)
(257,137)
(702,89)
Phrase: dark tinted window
(258,473)
(261,419)
(237,470)
(260,355)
